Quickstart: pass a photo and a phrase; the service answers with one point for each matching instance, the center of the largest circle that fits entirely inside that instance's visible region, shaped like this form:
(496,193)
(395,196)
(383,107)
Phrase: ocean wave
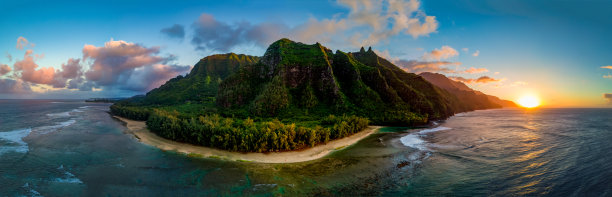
(31,191)
(414,140)
(69,178)
(60,114)
(67,113)
(48,129)
(15,141)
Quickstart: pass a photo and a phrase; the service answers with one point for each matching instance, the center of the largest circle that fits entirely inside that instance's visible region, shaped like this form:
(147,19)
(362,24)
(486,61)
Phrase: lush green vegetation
(246,135)
(295,96)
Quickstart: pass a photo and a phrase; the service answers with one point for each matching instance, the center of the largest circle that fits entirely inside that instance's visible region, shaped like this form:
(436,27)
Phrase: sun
(529,101)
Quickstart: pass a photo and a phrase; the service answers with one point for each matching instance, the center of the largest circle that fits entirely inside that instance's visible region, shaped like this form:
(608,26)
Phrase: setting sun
(529,101)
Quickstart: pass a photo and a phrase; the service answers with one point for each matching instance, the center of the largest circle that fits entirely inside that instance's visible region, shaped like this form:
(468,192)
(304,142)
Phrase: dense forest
(294,96)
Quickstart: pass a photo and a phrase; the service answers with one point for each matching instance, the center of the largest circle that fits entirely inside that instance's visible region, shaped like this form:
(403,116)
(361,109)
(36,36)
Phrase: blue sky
(552,49)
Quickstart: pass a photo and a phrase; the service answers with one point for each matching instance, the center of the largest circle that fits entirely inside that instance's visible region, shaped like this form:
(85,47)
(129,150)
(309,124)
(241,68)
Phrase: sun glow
(529,101)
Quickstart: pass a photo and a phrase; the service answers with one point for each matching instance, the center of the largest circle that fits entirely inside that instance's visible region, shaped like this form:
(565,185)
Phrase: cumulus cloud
(128,66)
(4,69)
(11,86)
(23,42)
(174,31)
(29,71)
(367,23)
(443,53)
(608,96)
(483,79)
(608,67)
(476,54)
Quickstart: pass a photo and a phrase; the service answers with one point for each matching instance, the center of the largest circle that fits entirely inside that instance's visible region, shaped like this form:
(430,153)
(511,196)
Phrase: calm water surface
(72,148)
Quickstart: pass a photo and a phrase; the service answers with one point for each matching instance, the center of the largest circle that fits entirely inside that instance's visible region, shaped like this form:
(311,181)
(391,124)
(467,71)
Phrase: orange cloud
(443,53)
(4,69)
(608,67)
(483,79)
(473,70)
(28,70)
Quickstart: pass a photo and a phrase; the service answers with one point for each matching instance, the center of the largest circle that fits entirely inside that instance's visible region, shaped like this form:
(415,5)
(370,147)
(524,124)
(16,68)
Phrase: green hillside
(295,95)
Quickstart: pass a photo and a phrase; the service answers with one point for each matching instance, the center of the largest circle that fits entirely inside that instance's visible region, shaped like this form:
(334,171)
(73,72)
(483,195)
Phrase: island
(295,98)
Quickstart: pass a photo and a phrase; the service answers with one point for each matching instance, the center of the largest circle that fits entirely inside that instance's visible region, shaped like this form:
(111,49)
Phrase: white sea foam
(15,141)
(67,113)
(48,129)
(425,131)
(30,190)
(414,140)
(61,114)
(69,178)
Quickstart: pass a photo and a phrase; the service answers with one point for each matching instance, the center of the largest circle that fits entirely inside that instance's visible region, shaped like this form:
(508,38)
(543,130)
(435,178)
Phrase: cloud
(29,71)
(11,86)
(426,66)
(150,77)
(473,70)
(367,23)
(4,69)
(476,54)
(483,79)
(518,83)
(443,53)
(174,31)
(608,67)
(607,76)
(608,96)
(23,42)
(128,66)
(465,50)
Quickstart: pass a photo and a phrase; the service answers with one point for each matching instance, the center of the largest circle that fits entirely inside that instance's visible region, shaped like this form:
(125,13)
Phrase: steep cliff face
(467,96)
(295,79)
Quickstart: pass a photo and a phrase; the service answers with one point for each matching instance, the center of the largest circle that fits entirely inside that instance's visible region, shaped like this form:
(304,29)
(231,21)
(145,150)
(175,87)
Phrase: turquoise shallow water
(72,148)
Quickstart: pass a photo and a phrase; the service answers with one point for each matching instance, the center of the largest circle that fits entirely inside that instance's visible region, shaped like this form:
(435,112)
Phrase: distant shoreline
(140,131)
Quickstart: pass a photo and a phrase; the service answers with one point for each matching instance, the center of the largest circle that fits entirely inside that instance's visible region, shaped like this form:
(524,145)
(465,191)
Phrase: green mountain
(295,79)
(201,84)
(294,96)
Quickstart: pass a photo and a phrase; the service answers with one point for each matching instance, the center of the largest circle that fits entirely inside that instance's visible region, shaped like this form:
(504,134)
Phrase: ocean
(73,148)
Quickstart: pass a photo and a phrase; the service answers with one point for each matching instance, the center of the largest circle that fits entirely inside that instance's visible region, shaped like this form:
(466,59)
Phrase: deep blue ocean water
(73,148)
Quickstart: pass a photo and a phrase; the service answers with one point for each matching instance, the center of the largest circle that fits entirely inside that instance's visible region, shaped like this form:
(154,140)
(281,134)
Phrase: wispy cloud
(607,76)
(476,54)
(23,42)
(483,79)
(608,67)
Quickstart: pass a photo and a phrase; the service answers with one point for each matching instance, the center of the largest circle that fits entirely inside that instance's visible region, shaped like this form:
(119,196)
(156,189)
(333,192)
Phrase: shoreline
(139,130)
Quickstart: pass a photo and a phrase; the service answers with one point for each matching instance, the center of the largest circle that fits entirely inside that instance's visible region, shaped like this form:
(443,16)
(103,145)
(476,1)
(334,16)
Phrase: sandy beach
(140,131)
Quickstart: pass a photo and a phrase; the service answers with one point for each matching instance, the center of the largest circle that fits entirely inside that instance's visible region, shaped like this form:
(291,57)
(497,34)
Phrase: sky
(556,50)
